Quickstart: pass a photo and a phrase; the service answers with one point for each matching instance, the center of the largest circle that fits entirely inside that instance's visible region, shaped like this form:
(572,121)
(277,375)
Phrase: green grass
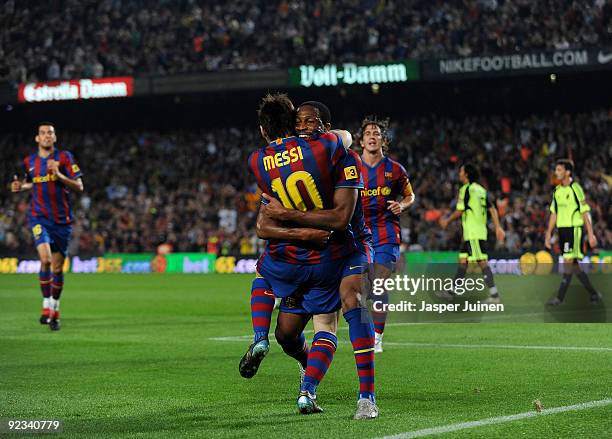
(135,359)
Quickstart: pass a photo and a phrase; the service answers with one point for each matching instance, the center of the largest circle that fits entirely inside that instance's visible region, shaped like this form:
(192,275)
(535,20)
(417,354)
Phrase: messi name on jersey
(283,158)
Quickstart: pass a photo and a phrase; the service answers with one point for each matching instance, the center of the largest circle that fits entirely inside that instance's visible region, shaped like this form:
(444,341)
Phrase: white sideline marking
(498,420)
(499,346)
(233,338)
(242,338)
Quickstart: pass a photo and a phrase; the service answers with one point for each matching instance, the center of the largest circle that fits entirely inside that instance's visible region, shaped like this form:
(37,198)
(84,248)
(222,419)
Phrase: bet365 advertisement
(528,263)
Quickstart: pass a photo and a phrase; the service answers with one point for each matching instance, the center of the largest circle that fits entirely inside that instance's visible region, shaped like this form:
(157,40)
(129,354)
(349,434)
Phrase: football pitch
(157,356)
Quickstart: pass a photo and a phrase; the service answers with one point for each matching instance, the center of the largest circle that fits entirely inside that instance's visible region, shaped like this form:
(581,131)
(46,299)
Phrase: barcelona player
(51,174)
(570,212)
(386,194)
(316,174)
(473,203)
(289,329)
(312,119)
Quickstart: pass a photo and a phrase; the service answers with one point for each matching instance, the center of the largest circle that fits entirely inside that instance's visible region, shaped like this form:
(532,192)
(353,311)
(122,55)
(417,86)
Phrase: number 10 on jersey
(290,195)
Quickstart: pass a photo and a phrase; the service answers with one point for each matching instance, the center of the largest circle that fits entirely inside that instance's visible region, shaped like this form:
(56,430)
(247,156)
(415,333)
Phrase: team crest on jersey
(388,174)
(75,168)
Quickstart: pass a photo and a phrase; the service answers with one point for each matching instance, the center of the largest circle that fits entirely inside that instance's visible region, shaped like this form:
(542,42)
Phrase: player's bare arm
(397,207)
(499,231)
(73,185)
(444,222)
(337,218)
(268,228)
(586,216)
(551,226)
(18,185)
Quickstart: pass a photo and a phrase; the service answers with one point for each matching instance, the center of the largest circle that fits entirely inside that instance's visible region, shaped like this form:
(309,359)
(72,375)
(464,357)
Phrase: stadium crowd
(189,190)
(74,38)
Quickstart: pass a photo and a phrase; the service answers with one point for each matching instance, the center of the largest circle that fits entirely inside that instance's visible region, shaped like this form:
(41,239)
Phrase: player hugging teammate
(311,180)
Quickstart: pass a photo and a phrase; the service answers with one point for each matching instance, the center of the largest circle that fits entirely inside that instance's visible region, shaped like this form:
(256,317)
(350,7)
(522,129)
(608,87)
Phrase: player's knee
(57,271)
(577,268)
(569,266)
(350,299)
(283,338)
(45,262)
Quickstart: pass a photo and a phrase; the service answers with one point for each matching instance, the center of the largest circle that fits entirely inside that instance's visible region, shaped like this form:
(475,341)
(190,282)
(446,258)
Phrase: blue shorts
(311,289)
(56,235)
(387,255)
(359,262)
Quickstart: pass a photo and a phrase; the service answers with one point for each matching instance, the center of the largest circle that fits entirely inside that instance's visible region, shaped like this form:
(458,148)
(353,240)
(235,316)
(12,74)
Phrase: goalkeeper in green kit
(569,211)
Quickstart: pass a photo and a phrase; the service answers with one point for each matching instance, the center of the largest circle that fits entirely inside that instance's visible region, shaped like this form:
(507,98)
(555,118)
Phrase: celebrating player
(51,174)
(317,174)
(385,181)
(314,118)
(473,203)
(569,211)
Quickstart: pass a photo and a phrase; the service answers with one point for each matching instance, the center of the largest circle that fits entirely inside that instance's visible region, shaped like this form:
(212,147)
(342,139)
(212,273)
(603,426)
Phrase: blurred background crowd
(68,39)
(189,189)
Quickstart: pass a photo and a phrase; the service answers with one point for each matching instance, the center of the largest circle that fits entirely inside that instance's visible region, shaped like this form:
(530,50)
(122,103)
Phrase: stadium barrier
(527,263)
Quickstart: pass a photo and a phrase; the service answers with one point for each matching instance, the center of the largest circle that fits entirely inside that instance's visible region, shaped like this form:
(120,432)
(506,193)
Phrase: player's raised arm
(344,136)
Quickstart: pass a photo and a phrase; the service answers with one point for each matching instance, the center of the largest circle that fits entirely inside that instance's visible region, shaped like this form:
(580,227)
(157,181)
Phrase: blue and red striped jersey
(304,174)
(386,181)
(50,198)
(362,233)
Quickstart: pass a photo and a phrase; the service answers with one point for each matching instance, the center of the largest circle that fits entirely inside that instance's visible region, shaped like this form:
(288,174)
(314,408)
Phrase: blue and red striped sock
(380,318)
(361,333)
(57,285)
(319,358)
(44,278)
(262,305)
